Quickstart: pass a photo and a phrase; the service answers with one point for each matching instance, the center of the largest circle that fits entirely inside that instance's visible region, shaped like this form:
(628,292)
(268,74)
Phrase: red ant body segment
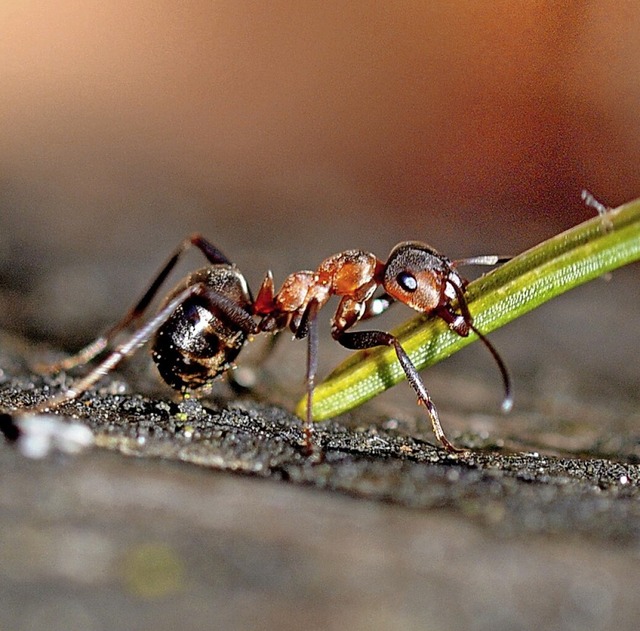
(414,274)
(205,321)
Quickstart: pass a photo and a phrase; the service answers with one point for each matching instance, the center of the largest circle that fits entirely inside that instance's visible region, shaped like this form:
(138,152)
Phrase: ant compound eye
(407,281)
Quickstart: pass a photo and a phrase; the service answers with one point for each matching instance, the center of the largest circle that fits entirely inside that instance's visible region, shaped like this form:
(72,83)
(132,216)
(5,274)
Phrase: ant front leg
(213,255)
(361,340)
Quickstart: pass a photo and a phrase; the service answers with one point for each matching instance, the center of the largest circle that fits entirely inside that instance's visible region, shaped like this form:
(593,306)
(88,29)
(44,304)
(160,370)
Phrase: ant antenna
(507,401)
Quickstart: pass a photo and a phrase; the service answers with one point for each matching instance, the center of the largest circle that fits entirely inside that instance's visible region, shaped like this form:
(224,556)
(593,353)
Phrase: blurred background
(287,131)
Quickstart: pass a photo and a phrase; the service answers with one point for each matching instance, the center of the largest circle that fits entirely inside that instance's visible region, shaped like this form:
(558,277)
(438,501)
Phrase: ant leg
(367,339)
(269,347)
(308,328)
(241,318)
(311,313)
(213,255)
(141,336)
(244,379)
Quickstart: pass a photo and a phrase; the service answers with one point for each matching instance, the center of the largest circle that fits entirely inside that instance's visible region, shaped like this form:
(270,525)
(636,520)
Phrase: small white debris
(40,434)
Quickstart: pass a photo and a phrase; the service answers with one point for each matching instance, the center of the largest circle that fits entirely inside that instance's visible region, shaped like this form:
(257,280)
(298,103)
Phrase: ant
(205,321)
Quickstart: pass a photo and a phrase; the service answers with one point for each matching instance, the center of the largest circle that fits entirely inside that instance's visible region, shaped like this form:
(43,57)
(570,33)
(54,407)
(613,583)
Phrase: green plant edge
(549,269)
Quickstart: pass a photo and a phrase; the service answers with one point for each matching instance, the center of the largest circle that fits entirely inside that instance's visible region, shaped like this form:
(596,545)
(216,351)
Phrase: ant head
(416,275)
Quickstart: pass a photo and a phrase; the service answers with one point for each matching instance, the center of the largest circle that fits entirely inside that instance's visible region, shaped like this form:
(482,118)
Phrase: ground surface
(209,515)
(285,135)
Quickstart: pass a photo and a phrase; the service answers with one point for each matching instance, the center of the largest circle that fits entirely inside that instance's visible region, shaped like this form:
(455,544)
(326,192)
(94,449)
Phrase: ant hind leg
(97,346)
(109,363)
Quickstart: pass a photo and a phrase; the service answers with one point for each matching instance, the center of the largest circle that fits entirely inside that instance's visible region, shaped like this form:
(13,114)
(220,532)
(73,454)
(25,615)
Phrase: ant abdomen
(200,340)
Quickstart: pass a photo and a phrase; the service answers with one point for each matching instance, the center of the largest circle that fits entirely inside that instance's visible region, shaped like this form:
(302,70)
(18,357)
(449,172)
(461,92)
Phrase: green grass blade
(547,270)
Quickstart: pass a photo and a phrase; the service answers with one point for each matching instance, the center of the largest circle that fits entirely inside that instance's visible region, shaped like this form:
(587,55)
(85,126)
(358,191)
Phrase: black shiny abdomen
(199,341)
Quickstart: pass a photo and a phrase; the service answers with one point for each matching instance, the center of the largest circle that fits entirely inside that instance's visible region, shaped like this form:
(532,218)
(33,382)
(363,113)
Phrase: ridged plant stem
(547,270)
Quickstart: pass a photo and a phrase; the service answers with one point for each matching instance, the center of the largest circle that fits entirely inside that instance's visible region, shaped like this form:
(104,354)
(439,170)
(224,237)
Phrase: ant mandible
(205,321)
